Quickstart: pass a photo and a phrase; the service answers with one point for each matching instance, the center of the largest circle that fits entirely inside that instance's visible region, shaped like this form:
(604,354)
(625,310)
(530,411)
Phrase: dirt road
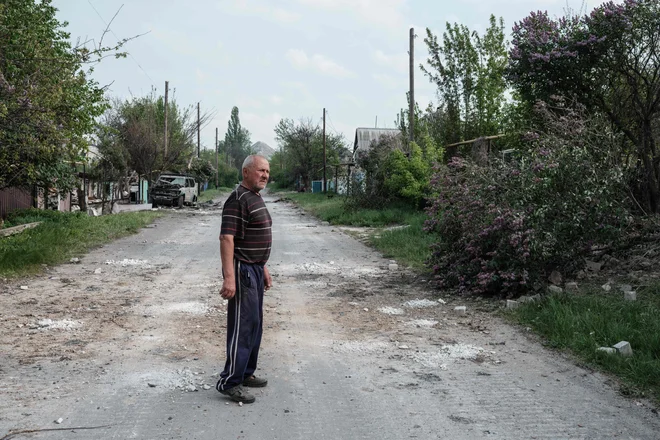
(128,344)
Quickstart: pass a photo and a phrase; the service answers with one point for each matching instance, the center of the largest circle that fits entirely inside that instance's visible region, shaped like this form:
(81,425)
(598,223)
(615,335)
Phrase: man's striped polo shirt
(244,215)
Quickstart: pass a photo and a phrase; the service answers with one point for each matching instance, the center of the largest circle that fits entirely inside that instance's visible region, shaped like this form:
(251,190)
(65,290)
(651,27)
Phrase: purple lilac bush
(504,226)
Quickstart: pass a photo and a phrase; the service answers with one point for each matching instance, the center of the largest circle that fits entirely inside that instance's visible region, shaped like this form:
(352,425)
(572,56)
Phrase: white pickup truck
(174,190)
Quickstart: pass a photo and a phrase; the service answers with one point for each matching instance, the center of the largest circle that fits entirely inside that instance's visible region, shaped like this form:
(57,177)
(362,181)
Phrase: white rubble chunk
(391,311)
(630,295)
(511,304)
(608,350)
(393,266)
(624,348)
(460,310)
(555,289)
(420,303)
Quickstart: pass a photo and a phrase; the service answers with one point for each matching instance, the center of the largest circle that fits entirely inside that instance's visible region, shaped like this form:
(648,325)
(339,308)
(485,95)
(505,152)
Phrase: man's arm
(228,289)
(268,281)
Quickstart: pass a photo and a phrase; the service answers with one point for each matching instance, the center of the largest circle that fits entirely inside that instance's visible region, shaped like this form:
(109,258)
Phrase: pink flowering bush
(504,226)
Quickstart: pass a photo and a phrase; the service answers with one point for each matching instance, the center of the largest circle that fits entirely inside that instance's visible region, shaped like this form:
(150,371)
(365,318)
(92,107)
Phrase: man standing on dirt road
(245,241)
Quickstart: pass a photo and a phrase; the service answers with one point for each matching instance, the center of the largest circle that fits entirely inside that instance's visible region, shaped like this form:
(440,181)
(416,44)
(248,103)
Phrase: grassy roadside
(211,194)
(396,231)
(581,323)
(61,236)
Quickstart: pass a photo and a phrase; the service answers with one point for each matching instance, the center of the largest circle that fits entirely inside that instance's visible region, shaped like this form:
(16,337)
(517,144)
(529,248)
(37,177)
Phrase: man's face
(255,177)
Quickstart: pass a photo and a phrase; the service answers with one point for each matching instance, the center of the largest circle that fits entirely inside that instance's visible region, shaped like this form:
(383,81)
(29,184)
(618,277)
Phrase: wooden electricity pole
(216,158)
(324,179)
(412,85)
(198,143)
(167,83)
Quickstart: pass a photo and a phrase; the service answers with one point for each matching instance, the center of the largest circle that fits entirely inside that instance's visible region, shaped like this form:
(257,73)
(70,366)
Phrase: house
(365,138)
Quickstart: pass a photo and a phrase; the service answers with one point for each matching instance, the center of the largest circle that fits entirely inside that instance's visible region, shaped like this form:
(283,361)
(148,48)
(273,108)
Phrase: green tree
(131,136)
(468,71)
(237,140)
(302,148)
(48,104)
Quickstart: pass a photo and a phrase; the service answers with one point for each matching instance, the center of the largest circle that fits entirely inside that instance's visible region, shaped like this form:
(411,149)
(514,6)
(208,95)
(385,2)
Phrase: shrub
(506,225)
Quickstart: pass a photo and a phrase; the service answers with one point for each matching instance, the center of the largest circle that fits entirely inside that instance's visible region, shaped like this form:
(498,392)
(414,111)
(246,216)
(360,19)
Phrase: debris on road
(460,310)
(391,311)
(419,303)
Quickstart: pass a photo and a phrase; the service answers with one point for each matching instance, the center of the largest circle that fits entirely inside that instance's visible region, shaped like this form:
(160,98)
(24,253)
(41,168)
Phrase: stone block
(606,287)
(593,266)
(555,289)
(608,350)
(625,288)
(460,310)
(393,266)
(571,287)
(631,295)
(624,348)
(555,278)
(512,305)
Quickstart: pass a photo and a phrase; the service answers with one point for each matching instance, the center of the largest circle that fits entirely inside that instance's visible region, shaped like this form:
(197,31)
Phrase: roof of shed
(365,136)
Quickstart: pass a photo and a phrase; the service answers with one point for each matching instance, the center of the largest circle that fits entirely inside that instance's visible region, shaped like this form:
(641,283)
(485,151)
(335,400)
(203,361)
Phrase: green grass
(332,209)
(62,236)
(408,245)
(582,323)
(211,194)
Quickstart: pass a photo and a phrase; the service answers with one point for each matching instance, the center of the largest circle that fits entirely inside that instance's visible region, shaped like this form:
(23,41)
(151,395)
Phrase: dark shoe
(255,382)
(238,394)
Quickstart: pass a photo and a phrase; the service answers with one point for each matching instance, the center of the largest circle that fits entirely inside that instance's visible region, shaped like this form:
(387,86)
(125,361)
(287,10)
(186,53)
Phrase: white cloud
(201,76)
(299,59)
(386,13)
(398,61)
(304,101)
(259,9)
(245,102)
(388,81)
(275,99)
(351,99)
(261,126)
(283,16)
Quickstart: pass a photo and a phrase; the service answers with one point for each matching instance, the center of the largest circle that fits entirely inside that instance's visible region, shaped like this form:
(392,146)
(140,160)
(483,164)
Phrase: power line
(119,39)
(327,113)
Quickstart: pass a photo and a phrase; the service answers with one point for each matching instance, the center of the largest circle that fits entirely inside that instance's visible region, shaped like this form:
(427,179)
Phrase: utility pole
(198,130)
(324,181)
(216,157)
(167,84)
(412,84)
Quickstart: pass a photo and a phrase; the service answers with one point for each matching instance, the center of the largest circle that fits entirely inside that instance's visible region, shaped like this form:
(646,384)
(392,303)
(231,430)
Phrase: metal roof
(365,136)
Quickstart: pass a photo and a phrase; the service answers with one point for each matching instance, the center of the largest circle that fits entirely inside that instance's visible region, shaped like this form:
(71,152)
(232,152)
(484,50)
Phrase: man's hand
(228,289)
(268,280)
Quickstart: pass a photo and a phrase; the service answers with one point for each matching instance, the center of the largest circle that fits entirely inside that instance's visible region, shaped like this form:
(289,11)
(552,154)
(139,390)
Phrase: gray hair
(249,161)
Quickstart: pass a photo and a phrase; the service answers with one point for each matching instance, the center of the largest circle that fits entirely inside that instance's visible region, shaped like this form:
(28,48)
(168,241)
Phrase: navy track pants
(244,325)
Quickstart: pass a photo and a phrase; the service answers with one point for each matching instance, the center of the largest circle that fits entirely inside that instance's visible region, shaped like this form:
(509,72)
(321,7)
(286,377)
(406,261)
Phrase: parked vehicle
(174,190)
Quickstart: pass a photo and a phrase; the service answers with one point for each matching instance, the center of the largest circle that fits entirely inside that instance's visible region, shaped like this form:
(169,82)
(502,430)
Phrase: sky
(276,59)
